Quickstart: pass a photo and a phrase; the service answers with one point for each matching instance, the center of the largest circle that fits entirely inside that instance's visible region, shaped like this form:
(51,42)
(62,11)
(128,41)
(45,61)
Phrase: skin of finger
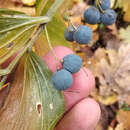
(83,81)
(83,84)
(83,116)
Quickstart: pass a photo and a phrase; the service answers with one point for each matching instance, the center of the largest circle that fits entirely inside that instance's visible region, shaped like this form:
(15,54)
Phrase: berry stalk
(98,5)
(51,48)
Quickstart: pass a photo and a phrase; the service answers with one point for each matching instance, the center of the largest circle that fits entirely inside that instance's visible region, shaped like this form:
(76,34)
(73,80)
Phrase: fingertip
(83,84)
(83,116)
(91,109)
(93,112)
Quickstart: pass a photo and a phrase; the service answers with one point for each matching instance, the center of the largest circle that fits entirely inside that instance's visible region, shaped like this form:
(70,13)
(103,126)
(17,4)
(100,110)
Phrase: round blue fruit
(105,4)
(83,35)
(92,15)
(62,79)
(69,34)
(108,17)
(72,63)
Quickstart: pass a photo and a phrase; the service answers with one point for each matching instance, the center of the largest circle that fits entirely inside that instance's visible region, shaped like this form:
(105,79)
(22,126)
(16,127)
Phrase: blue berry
(108,17)
(83,35)
(105,4)
(69,34)
(72,63)
(92,15)
(62,79)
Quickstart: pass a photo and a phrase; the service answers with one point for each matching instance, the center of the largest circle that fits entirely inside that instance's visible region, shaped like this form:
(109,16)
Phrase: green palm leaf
(9,23)
(37,104)
(8,12)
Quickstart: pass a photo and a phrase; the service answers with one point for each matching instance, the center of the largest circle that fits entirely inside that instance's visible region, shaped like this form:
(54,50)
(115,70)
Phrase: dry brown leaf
(108,100)
(123,118)
(126,7)
(17,7)
(110,128)
(120,127)
(3,95)
(29,2)
(113,72)
(124,34)
(127,101)
(16,1)
(79,9)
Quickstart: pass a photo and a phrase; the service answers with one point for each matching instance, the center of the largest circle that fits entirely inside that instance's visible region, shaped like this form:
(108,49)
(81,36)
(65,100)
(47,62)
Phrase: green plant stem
(70,23)
(115,3)
(98,5)
(49,43)
(54,8)
(29,21)
(67,5)
(51,48)
(66,9)
(42,5)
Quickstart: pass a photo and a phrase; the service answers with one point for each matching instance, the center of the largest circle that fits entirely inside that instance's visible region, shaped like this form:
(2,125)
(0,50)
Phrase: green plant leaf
(40,4)
(8,23)
(53,9)
(7,38)
(15,30)
(8,12)
(31,40)
(55,28)
(33,103)
(18,44)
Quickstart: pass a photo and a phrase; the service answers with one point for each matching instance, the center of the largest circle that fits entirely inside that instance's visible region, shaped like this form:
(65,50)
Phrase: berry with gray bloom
(69,34)
(92,15)
(72,63)
(62,79)
(83,35)
(108,17)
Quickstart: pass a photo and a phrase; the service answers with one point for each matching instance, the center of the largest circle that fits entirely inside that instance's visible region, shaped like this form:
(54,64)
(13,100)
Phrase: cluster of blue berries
(62,79)
(82,35)
(102,13)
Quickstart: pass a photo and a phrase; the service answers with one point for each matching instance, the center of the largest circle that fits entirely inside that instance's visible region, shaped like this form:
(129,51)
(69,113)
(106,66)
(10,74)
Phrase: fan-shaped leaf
(28,44)
(8,12)
(8,38)
(9,23)
(33,103)
(16,45)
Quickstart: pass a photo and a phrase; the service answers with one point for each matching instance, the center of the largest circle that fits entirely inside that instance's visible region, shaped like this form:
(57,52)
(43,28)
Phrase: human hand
(82,113)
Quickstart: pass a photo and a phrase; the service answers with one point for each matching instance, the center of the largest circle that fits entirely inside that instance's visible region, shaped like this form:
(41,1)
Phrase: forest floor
(107,56)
